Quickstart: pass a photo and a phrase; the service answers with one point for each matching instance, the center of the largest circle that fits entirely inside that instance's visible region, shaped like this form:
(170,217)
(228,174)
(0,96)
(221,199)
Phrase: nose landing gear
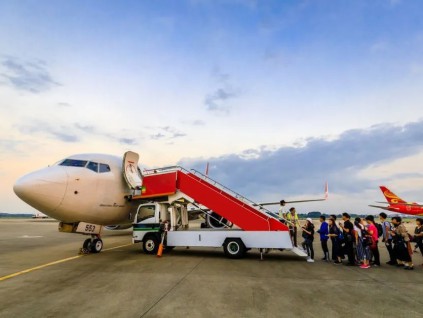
(92,245)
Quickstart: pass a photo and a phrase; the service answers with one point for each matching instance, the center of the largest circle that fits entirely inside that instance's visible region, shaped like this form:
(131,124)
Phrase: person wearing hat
(282,210)
(308,235)
(294,223)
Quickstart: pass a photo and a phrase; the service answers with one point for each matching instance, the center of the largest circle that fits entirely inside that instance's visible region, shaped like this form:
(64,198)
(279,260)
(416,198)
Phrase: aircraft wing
(384,202)
(298,201)
(413,204)
(380,207)
(409,204)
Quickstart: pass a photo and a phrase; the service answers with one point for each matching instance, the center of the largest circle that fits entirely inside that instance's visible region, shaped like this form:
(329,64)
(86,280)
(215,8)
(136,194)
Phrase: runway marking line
(53,263)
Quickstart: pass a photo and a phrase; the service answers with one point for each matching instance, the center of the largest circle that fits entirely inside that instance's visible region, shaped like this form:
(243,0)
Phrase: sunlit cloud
(303,169)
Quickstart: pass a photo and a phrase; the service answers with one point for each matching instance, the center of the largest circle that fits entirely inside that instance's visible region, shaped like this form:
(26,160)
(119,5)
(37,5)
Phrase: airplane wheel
(96,246)
(150,244)
(87,245)
(234,248)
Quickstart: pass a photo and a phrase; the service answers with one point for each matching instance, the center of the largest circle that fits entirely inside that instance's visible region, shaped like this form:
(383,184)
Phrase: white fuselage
(81,188)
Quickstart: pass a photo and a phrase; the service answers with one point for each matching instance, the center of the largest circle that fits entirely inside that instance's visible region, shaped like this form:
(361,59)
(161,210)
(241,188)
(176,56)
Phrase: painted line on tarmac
(53,263)
(39,267)
(113,248)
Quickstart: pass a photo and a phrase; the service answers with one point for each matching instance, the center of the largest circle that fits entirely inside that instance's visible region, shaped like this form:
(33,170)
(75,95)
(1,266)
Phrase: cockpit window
(104,168)
(93,166)
(73,163)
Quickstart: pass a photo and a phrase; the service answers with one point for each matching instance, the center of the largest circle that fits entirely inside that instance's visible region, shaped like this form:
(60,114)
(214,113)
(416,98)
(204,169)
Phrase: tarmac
(42,275)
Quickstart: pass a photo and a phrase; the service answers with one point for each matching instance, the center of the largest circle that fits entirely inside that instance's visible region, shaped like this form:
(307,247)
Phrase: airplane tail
(391,197)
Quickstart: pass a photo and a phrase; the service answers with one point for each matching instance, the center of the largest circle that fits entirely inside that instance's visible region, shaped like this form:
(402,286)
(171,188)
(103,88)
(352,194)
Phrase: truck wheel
(150,244)
(234,248)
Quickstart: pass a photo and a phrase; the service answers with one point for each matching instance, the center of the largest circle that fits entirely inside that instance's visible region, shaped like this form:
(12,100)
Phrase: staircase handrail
(219,186)
(240,197)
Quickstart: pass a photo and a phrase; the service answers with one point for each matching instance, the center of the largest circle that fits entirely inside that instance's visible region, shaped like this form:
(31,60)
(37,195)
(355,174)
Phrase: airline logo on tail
(391,197)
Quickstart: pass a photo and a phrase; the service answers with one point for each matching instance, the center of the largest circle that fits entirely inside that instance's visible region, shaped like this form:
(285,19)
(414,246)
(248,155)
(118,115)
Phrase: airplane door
(131,173)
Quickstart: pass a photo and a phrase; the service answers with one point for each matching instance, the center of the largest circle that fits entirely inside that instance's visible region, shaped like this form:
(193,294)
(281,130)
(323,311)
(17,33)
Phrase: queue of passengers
(358,240)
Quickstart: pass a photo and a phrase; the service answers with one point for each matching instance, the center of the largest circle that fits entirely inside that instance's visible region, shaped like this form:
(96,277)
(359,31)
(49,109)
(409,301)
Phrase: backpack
(340,235)
(379,229)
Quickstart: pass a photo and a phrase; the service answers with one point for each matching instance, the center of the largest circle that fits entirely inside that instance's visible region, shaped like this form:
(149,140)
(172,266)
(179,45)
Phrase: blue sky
(279,96)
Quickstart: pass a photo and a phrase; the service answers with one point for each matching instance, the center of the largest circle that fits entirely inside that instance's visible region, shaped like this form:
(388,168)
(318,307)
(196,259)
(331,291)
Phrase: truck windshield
(145,213)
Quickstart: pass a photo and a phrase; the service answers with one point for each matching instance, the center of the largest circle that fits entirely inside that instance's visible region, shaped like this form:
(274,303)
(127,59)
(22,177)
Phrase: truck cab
(149,223)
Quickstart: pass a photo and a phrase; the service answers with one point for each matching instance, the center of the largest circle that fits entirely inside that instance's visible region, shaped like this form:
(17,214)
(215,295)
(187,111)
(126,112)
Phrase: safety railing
(221,187)
(239,196)
(148,172)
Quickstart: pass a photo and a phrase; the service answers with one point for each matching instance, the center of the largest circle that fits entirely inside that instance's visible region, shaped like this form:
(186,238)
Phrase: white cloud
(31,76)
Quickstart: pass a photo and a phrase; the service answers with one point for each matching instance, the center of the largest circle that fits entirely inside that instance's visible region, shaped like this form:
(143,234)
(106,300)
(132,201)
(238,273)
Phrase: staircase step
(299,251)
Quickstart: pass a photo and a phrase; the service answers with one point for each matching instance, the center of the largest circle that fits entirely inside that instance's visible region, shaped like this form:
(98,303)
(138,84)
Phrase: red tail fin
(391,197)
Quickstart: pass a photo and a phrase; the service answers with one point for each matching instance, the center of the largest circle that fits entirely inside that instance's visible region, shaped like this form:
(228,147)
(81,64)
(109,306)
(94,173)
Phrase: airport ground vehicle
(232,221)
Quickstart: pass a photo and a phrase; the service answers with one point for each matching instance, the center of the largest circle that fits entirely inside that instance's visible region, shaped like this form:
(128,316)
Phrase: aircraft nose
(43,189)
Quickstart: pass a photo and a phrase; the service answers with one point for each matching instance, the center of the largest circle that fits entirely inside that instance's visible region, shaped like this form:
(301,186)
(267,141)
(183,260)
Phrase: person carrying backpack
(387,238)
(366,241)
(372,230)
(402,245)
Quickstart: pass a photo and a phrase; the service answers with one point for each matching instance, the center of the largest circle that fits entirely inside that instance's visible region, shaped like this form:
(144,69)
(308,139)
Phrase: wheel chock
(160,251)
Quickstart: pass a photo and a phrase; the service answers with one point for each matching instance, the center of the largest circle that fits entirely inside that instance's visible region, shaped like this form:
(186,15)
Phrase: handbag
(367,241)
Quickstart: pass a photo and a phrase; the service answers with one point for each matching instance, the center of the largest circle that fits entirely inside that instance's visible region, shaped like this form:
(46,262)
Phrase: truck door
(147,214)
(131,172)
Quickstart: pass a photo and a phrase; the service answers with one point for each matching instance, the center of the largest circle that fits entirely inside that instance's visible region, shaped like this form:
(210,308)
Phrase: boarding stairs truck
(232,221)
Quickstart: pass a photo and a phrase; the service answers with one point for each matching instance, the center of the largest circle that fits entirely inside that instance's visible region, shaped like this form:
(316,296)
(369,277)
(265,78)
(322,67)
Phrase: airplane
(396,204)
(39,216)
(87,192)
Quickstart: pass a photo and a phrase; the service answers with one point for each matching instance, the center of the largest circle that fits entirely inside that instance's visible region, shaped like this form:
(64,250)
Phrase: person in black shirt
(336,242)
(308,235)
(347,229)
(418,234)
